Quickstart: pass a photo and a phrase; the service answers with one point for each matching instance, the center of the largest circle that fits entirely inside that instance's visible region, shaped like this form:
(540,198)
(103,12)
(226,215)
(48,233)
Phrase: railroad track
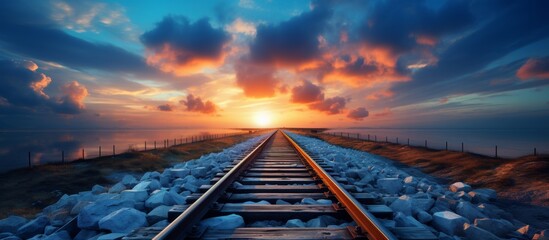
(279,169)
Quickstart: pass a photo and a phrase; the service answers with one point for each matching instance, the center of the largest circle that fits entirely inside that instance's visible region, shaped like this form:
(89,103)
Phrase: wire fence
(61,156)
(460,146)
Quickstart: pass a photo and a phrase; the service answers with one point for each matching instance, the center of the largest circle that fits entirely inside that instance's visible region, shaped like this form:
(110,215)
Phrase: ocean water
(510,142)
(47,145)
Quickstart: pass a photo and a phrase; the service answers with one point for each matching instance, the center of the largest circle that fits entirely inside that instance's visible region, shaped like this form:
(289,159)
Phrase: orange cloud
(257,80)
(180,62)
(380,95)
(534,68)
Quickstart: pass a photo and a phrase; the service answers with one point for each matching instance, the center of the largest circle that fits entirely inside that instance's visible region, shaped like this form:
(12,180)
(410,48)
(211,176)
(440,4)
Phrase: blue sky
(124,64)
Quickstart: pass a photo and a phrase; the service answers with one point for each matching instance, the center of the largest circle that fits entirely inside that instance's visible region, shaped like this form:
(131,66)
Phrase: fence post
(386,139)
(30,164)
(425,143)
(154,145)
(174,142)
(62,156)
(446,145)
(496,151)
(461,146)
(368,137)
(535,152)
(99,151)
(83,154)
(113,150)
(145,145)
(397,140)
(375,138)
(408,142)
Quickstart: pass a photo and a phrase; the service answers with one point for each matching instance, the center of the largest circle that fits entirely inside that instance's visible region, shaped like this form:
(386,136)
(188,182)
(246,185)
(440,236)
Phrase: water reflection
(49,146)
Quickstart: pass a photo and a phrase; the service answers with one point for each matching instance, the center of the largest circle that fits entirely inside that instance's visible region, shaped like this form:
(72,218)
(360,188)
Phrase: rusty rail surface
(183,224)
(366,221)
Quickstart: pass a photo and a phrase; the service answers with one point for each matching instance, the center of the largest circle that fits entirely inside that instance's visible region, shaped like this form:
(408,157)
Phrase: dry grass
(26,191)
(524,179)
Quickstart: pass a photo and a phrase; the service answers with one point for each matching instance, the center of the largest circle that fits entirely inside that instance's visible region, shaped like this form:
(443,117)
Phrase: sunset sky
(173,64)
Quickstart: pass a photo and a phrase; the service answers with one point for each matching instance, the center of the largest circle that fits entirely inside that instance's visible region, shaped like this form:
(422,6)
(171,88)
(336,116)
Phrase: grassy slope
(21,188)
(525,179)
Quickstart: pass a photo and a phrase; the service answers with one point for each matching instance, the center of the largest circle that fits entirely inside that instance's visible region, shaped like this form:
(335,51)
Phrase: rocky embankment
(111,212)
(455,211)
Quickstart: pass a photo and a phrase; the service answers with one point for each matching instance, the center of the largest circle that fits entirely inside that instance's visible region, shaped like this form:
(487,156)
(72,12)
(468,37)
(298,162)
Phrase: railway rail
(279,169)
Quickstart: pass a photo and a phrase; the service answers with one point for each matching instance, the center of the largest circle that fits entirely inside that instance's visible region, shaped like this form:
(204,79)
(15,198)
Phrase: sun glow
(262,119)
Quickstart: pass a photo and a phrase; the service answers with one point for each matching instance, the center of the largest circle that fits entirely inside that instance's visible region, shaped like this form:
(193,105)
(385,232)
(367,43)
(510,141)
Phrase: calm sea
(510,142)
(47,145)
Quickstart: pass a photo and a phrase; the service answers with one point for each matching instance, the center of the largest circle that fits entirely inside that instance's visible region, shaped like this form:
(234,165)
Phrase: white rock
(324,201)
(424,217)
(161,224)
(48,230)
(224,222)
(164,198)
(459,186)
(475,233)
(98,189)
(295,223)
(199,172)
(308,201)
(403,204)
(449,222)
(149,185)
(111,236)
(34,227)
(129,181)
(61,235)
(483,195)
(469,211)
(402,220)
(12,223)
(79,206)
(123,220)
(390,185)
(321,221)
(117,188)
(409,180)
(85,234)
(281,202)
(499,227)
(134,195)
(422,203)
(158,214)
(91,214)
(180,172)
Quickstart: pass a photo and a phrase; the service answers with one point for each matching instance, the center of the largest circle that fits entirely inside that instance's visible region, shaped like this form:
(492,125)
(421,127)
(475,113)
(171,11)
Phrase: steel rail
(183,224)
(365,220)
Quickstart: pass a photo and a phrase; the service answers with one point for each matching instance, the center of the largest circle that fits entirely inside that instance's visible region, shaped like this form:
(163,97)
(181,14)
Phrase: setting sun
(262,119)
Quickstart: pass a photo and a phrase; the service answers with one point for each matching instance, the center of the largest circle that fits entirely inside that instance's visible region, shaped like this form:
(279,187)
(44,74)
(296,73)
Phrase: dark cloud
(257,81)
(165,107)
(292,41)
(42,39)
(461,64)
(534,68)
(330,106)
(306,93)
(195,104)
(358,113)
(22,87)
(401,26)
(180,46)
(360,67)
